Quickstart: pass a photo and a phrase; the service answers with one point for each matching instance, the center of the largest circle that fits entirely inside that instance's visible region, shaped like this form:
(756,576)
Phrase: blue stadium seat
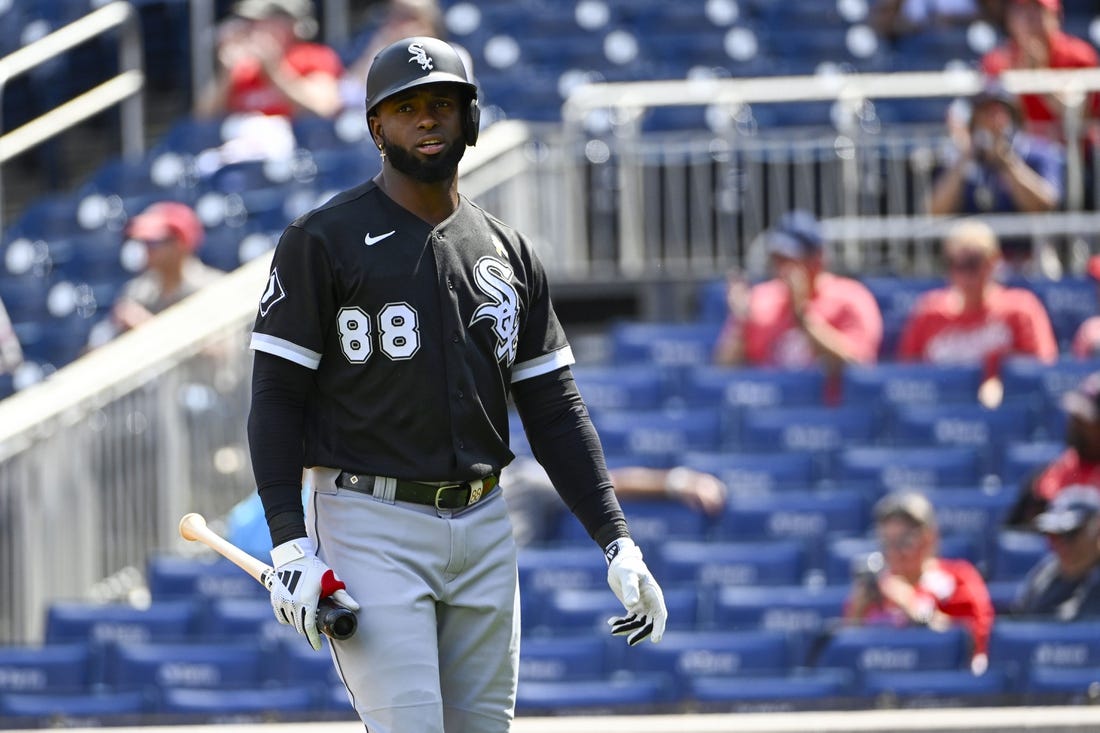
(241,619)
(666,344)
(711,303)
(889,468)
(615,388)
(820,430)
(1020,460)
(651,521)
(1062,685)
(1003,593)
(973,513)
(801,612)
(807,517)
(659,433)
(681,655)
(73,710)
(756,473)
(970,425)
(162,621)
(939,688)
(555,568)
(801,690)
(879,649)
(714,564)
(563,658)
(1042,386)
(1020,647)
(172,577)
(222,665)
(49,668)
(619,694)
(889,384)
(46,217)
(292,662)
(25,298)
(1068,301)
(1016,553)
(753,388)
(262,704)
(191,136)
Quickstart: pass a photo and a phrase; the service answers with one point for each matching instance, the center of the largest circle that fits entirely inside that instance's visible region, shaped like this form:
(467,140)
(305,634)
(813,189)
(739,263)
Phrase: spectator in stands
(1086,341)
(914,586)
(170,233)
(998,168)
(11,352)
(806,315)
(1036,41)
(1066,583)
(267,65)
(893,19)
(975,320)
(400,19)
(1078,464)
(535,507)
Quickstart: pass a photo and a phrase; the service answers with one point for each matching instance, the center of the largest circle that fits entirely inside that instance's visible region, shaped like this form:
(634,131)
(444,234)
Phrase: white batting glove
(637,590)
(298,584)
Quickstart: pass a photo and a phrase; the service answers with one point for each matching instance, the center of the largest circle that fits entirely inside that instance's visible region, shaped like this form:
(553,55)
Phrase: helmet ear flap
(471,123)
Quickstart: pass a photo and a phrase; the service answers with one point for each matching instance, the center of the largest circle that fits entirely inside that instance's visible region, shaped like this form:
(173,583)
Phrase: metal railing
(124,89)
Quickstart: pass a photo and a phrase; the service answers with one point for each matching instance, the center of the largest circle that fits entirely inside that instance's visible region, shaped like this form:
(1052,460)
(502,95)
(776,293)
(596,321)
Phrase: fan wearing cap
(266,65)
(805,315)
(1086,340)
(1078,464)
(975,320)
(169,234)
(998,168)
(917,587)
(1036,41)
(1065,584)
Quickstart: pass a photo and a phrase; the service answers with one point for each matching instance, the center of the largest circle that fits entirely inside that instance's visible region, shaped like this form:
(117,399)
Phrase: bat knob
(336,622)
(189,523)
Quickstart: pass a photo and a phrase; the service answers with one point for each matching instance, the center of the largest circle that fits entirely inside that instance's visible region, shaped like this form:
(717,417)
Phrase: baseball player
(397,321)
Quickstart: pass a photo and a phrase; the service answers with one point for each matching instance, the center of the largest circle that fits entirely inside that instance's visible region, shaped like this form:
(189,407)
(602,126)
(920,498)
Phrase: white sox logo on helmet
(494,278)
(420,56)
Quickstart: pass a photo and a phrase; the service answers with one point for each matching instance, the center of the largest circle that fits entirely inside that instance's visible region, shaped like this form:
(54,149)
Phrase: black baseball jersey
(415,334)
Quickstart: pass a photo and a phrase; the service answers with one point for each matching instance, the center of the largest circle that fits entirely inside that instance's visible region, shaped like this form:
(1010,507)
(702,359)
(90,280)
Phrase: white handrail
(124,89)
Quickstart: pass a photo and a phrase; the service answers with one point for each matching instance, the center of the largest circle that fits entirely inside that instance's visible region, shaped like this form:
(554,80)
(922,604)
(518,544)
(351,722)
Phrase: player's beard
(430,170)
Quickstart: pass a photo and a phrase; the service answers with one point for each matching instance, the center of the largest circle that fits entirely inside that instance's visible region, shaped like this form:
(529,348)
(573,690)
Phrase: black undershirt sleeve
(565,442)
(276,434)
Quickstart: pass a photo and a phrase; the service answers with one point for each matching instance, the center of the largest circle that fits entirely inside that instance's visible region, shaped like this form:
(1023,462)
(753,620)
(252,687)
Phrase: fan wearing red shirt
(1078,464)
(1037,41)
(267,67)
(914,587)
(1086,340)
(803,317)
(975,320)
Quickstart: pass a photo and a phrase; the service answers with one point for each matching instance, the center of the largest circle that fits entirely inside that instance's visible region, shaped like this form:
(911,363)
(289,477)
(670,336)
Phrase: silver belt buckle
(439,494)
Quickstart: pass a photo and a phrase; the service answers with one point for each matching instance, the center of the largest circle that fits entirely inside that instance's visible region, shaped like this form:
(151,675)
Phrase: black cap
(797,235)
(412,62)
(1084,401)
(1069,510)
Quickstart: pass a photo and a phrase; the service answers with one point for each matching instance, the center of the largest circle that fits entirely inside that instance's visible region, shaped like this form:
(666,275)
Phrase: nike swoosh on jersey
(371,241)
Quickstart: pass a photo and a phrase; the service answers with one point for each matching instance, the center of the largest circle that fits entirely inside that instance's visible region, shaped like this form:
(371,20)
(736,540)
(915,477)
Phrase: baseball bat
(333,621)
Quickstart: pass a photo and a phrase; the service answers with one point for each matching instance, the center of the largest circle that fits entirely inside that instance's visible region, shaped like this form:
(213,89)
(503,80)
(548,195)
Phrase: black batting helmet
(419,60)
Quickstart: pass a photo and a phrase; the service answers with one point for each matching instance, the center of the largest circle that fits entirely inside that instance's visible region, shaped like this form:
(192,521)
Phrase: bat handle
(333,620)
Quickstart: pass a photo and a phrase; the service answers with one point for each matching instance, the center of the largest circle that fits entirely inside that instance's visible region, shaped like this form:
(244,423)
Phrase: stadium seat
(25,298)
(1068,301)
(806,517)
(819,430)
(1062,685)
(879,649)
(144,666)
(563,658)
(882,469)
(681,656)
(615,388)
(55,668)
(889,384)
(241,619)
(162,621)
(801,612)
(73,710)
(292,662)
(962,425)
(716,564)
(618,694)
(665,344)
(938,688)
(651,522)
(1016,553)
(1020,460)
(1042,386)
(801,690)
(261,704)
(555,568)
(752,388)
(756,473)
(663,434)
(575,611)
(973,513)
(172,577)
(1018,648)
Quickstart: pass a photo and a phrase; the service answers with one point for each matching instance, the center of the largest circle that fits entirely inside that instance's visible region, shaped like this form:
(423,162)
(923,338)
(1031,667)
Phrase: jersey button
(450,282)
(454,338)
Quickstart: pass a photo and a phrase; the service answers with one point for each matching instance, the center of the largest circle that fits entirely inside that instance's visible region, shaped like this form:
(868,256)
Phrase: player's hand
(637,590)
(298,584)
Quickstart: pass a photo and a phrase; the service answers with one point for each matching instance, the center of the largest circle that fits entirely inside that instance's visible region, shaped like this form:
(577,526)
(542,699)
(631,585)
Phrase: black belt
(441,496)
